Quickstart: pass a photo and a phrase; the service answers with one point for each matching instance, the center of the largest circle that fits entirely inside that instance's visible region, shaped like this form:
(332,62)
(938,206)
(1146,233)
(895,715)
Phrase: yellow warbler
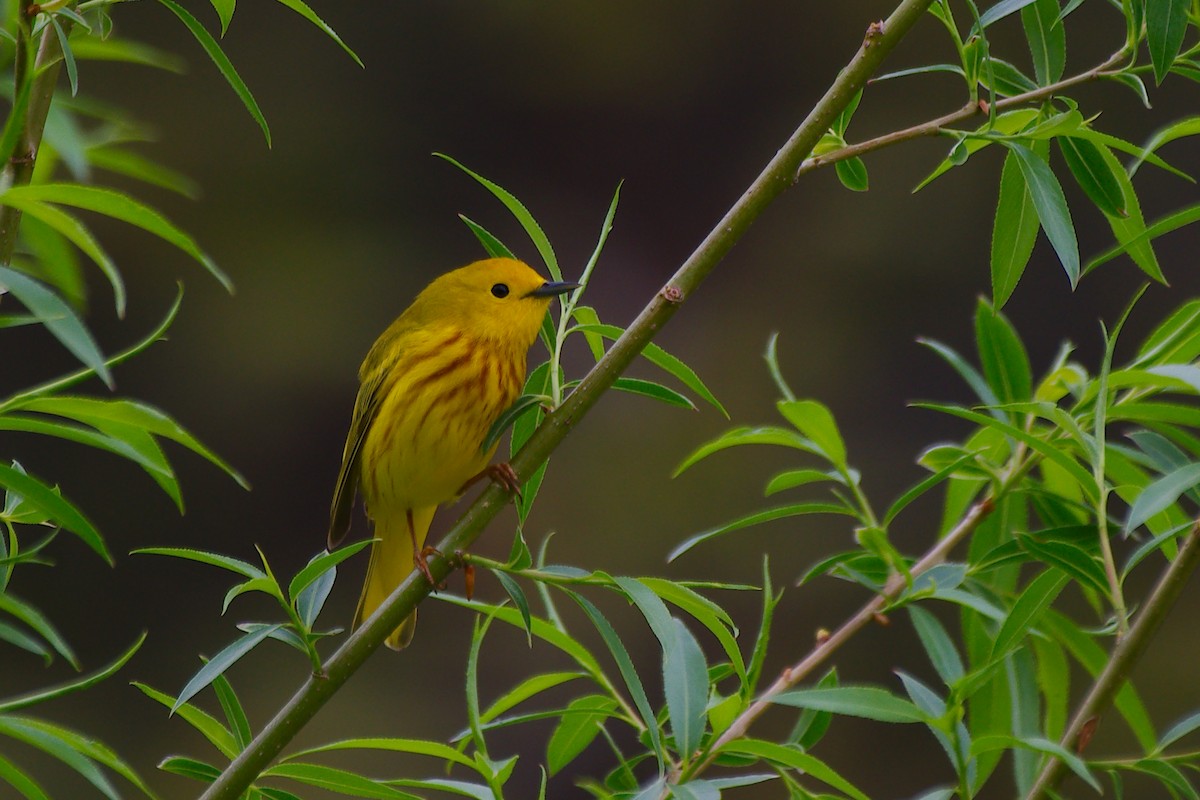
(430,389)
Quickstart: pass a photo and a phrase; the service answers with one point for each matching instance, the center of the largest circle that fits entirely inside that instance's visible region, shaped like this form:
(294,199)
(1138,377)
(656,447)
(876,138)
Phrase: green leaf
(190,768)
(14,777)
(1161,494)
(1171,222)
(852,172)
(9,604)
(103,414)
(33,733)
(938,645)
(58,317)
(542,630)
(212,559)
(76,233)
(1002,355)
(1085,479)
(1006,78)
(768,515)
(1176,340)
(1054,681)
(491,245)
(685,683)
(68,56)
(1189,126)
(998,12)
(320,564)
(133,165)
(81,753)
(816,422)
(55,506)
(868,702)
(222,661)
(525,404)
(1166,25)
(1177,731)
(704,611)
(1134,83)
(1130,227)
(1051,205)
(301,8)
(336,780)
(745,436)
(984,744)
(579,726)
(224,65)
(517,594)
(1093,174)
(1094,659)
(1031,603)
(530,687)
(793,758)
(418,747)
(792,478)
(970,376)
(1006,124)
(1047,39)
(94,48)
(628,673)
(522,215)
(71,687)
(224,9)
(1014,232)
(118,206)
(661,359)
(654,391)
(235,715)
(217,734)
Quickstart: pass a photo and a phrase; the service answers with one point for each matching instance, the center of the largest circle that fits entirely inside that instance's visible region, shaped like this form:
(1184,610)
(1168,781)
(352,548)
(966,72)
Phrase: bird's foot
(502,474)
(420,561)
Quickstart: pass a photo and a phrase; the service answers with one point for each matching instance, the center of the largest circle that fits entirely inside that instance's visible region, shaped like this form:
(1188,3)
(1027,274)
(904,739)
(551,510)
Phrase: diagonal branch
(777,176)
(1124,656)
(826,647)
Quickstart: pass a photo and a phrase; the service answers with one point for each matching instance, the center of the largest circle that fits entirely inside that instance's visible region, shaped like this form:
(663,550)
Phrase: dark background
(329,234)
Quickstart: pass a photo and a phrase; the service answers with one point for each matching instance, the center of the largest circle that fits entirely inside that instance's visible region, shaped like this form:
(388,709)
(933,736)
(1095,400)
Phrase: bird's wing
(366,406)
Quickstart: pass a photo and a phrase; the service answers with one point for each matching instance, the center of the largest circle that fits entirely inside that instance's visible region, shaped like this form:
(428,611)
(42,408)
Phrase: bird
(429,390)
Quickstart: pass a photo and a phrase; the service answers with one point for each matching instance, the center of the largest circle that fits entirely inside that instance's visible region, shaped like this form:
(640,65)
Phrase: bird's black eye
(500,290)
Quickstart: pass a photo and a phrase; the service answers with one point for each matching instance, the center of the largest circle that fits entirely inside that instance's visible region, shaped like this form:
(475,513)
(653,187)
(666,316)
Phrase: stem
(937,126)
(1124,656)
(19,169)
(777,176)
(865,615)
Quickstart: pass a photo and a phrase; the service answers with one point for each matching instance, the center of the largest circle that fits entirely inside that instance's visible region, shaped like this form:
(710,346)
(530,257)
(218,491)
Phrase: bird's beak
(551,288)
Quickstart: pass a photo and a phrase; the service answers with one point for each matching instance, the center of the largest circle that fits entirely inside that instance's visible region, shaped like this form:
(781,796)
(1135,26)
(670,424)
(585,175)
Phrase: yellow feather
(430,388)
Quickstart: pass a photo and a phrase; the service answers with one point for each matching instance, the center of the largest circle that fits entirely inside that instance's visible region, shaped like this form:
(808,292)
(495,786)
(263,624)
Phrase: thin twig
(775,178)
(19,169)
(865,615)
(937,126)
(1124,656)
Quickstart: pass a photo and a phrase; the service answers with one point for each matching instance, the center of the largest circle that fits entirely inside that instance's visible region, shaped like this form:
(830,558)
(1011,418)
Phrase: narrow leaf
(1051,205)
(224,65)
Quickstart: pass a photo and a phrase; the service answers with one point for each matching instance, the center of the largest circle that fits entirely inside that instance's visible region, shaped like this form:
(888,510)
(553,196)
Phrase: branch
(777,176)
(937,126)
(1122,660)
(826,647)
(19,169)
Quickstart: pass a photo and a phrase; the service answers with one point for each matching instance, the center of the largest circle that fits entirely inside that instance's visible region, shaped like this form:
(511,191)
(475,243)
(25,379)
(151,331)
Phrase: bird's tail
(391,561)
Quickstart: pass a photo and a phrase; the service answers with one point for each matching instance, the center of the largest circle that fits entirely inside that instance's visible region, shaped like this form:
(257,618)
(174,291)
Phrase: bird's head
(499,298)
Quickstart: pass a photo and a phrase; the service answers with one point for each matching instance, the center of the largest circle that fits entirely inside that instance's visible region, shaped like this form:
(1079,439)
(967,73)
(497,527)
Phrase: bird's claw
(420,561)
